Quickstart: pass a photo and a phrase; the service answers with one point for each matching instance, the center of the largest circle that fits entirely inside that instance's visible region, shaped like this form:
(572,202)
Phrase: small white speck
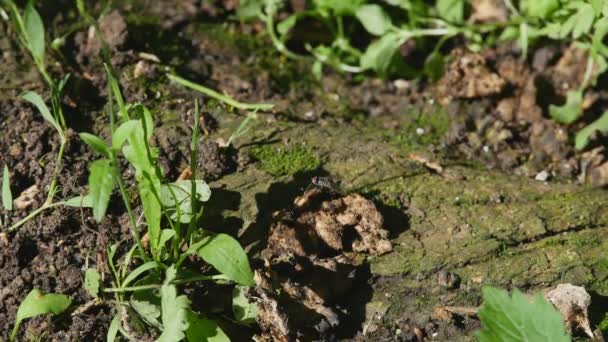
(398,331)
(420,131)
(542,176)
(435,334)
(431,101)
(486,148)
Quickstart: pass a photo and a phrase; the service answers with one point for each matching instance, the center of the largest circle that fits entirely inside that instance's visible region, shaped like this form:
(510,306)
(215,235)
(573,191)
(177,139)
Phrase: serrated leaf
(571,110)
(101,184)
(514,318)
(380,54)
(584,20)
(200,329)
(583,136)
(91,282)
(80,202)
(7,195)
(35,31)
(148,311)
(243,309)
(95,143)
(451,10)
(37,101)
(374,19)
(228,257)
(285,25)
(174,310)
(340,8)
(37,303)
(182,199)
(539,8)
(123,132)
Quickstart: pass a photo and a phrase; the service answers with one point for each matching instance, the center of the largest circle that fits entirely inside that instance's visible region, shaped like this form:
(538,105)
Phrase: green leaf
(147,303)
(374,19)
(182,200)
(200,329)
(244,310)
(113,330)
(539,8)
(91,282)
(584,20)
(339,8)
(380,54)
(37,303)
(35,31)
(228,257)
(7,196)
(150,265)
(451,10)
(37,101)
(599,125)
(571,110)
(285,25)
(174,310)
(101,184)
(434,66)
(123,132)
(148,311)
(249,9)
(95,143)
(515,318)
(80,202)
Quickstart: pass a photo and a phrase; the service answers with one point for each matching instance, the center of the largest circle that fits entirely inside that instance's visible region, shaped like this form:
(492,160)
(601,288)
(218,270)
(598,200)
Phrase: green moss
(434,124)
(282,161)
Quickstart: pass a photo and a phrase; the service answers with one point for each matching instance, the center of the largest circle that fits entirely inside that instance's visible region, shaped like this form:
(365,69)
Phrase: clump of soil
(311,262)
(499,105)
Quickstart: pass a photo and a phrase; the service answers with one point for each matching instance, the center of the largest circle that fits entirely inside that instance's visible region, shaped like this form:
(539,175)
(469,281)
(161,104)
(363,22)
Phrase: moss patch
(425,128)
(282,161)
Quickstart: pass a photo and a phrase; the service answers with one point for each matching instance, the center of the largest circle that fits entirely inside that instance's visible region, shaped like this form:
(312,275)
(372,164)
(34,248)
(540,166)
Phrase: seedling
(583,23)
(148,294)
(37,303)
(220,97)
(30,32)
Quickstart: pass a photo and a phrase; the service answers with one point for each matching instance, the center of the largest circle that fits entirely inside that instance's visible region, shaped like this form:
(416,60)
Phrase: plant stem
(132,221)
(158,286)
(220,97)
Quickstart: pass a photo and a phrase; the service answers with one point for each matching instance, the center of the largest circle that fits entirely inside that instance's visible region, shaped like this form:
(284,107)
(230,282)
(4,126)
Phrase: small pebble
(420,131)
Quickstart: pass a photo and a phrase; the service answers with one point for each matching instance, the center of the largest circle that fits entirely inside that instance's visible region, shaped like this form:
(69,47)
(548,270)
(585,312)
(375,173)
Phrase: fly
(326,184)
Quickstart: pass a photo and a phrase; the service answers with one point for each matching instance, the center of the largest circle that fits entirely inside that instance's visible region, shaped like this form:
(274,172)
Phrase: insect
(326,184)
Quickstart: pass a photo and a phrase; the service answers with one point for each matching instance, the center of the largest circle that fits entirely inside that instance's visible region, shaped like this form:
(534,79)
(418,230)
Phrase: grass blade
(220,97)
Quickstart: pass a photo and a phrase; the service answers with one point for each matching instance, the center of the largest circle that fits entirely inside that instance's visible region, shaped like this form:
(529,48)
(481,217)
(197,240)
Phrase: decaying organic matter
(311,262)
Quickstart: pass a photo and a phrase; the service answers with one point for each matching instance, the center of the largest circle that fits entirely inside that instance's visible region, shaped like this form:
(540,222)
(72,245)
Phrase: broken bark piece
(572,302)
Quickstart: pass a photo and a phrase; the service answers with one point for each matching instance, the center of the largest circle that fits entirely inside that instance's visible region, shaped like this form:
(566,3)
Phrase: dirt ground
(454,185)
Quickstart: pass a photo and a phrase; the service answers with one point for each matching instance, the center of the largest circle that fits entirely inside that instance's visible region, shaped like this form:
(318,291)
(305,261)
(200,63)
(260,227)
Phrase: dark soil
(499,121)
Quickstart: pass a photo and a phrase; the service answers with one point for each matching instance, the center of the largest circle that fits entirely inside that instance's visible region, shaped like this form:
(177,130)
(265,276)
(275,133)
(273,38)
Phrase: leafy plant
(516,318)
(37,303)
(31,34)
(171,212)
(389,25)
